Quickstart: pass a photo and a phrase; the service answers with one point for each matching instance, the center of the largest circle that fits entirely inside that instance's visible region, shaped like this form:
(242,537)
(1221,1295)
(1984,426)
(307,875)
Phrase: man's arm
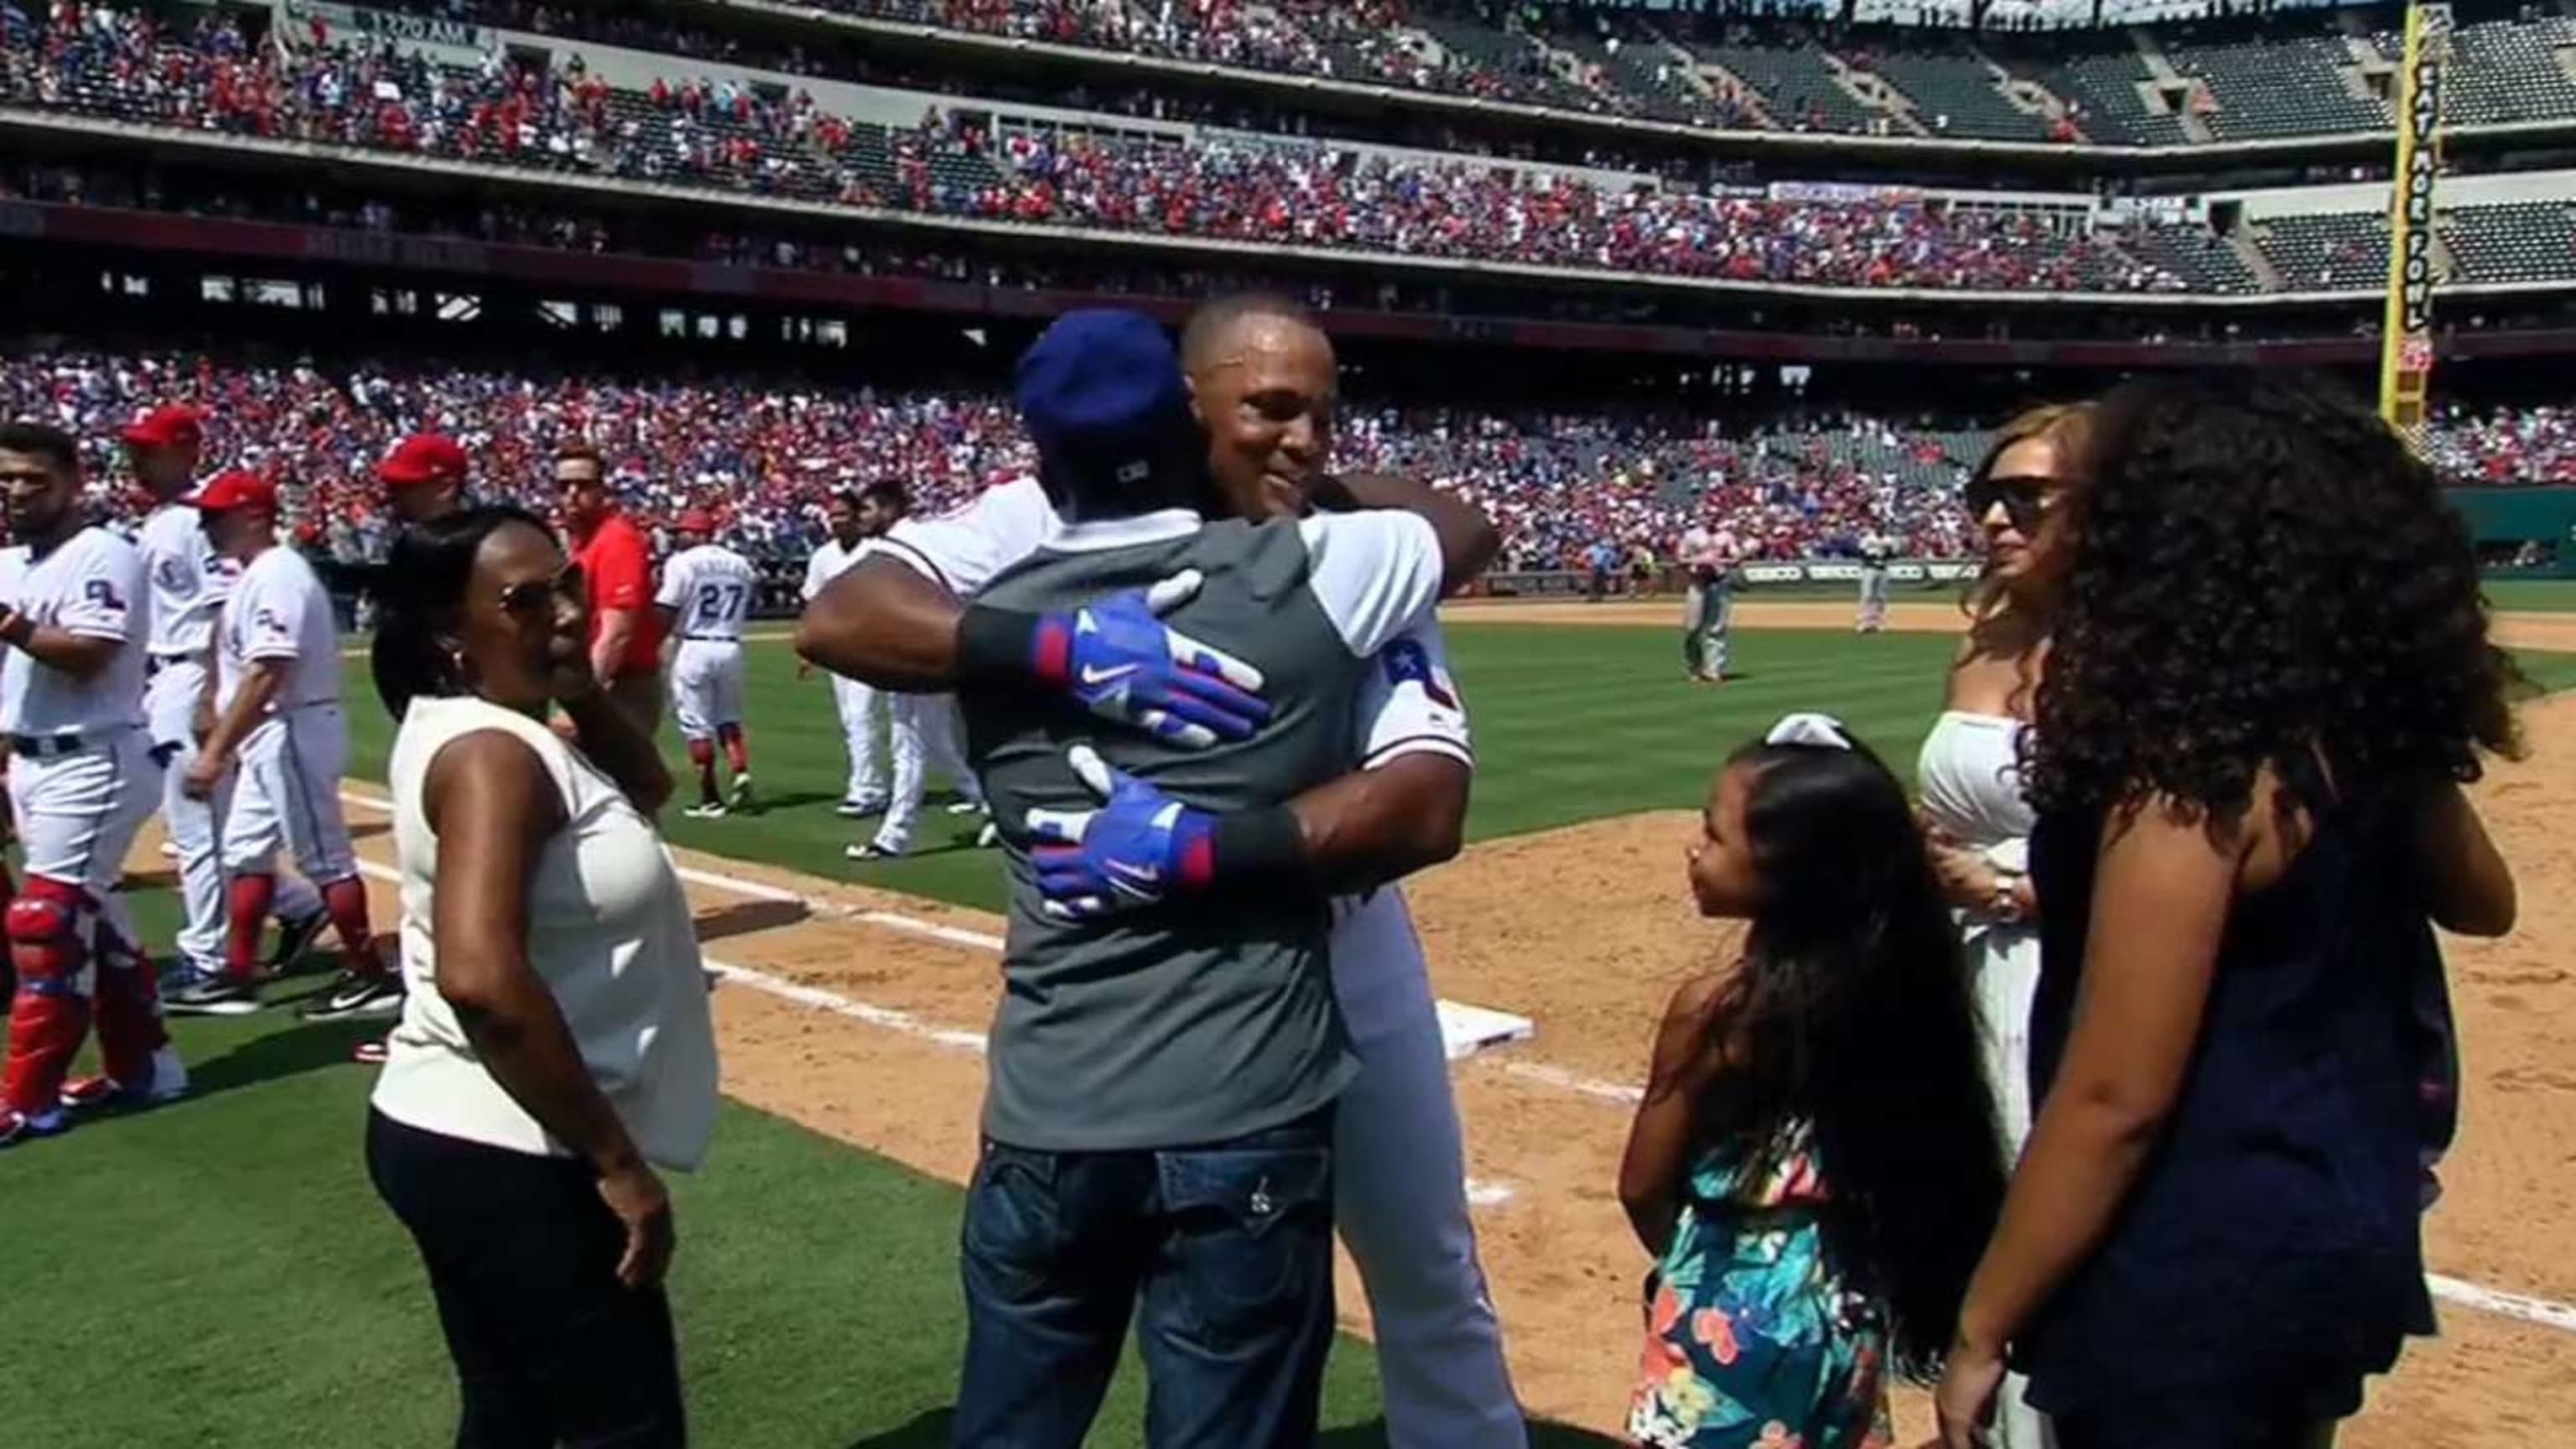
(884,623)
(259,686)
(78,655)
(608,651)
(1468,539)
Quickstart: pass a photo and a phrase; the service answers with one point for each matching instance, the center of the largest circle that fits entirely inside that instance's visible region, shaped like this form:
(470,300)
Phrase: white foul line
(2541,1311)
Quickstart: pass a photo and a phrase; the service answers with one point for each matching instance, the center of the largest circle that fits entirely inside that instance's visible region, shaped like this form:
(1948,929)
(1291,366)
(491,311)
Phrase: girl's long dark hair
(2264,575)
(423,598)
(1852,1014)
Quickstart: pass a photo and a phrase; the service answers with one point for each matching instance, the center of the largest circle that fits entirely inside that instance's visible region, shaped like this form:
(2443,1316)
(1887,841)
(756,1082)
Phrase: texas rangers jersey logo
(1407,662)
(266,621)
(174,576)
(102,592)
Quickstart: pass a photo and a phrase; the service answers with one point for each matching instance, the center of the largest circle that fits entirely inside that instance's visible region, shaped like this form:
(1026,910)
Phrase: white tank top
(1970,775)
(609,932)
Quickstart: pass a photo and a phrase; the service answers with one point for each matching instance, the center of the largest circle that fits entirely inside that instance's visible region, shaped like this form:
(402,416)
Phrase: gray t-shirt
(1193,1022)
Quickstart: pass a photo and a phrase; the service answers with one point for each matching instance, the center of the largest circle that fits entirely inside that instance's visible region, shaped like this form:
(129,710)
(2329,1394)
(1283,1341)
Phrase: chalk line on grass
(2543,1312)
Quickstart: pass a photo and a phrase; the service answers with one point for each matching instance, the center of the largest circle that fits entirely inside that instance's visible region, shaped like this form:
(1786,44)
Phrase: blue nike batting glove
(1117,659)
(1142,847)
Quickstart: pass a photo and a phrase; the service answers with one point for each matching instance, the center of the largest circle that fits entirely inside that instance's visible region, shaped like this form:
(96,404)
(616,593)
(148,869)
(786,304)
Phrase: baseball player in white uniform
(71,703)
(280,734)
(1400,1161)
(1877,551)
(706,597)
(923,731)
(187,583)
(859,706)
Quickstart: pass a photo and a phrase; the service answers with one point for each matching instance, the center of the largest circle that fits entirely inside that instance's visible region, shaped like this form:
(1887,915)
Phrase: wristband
(1265,844)
(1000,646)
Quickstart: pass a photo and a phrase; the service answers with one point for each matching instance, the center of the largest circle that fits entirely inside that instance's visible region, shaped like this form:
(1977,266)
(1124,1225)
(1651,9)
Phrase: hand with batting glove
(1117,659)
(1142,847)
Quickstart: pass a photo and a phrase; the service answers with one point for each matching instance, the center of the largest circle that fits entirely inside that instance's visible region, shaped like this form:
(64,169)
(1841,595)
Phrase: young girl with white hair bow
(1814,1165)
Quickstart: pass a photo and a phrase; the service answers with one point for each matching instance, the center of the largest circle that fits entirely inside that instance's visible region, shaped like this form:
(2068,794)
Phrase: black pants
(522,1256)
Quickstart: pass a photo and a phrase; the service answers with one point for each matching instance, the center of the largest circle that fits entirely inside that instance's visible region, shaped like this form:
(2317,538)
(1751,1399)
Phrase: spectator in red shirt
(625,637)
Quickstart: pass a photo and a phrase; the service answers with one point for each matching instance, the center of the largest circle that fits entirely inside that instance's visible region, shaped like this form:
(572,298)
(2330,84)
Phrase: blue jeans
(1224,1253)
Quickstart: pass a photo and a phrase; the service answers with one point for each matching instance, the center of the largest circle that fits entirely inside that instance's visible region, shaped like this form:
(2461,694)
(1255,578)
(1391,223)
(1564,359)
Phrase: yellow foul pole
(2406,338)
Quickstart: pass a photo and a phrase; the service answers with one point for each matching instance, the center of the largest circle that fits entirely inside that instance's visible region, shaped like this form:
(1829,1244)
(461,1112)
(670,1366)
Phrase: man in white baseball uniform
(859,706)
(1877,551)
(705,599)
(187,583)
(922,729)
(279,732)
(1264,381)
(71,703)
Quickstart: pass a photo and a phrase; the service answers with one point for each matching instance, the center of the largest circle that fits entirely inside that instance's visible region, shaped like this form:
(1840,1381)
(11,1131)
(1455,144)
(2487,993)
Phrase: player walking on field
(71,703)
(186,582)
(923,732)
(1877,550)
(278,720)
(1708,606)
(706,596)
(854,518)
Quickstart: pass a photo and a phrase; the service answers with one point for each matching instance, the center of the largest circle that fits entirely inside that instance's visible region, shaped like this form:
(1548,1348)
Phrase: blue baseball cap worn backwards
(1102,396)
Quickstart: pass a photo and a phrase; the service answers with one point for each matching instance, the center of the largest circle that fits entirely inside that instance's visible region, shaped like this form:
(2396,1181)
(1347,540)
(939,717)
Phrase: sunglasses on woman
(2025,500)
(538,596)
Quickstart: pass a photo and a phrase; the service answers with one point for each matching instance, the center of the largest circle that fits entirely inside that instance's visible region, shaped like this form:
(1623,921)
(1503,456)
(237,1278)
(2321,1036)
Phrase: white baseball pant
(1400,1195)
(859,706)
(78,813)
(706,686)
(923,732)
(286,795)
(170,708)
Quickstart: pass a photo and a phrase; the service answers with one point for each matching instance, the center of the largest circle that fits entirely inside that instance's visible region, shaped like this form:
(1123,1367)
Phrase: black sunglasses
(2025,500)
(532,596)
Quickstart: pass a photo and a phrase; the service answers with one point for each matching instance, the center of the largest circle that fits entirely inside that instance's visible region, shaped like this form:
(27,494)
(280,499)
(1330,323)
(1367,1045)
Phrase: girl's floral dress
(1752,1339)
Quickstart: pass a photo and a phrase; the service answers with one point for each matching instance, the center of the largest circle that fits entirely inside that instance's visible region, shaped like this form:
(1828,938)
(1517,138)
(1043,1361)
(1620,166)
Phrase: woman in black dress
(2271,677)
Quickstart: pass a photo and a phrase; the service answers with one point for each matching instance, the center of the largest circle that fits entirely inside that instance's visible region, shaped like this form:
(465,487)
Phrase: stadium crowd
(766,455)
(1265,192)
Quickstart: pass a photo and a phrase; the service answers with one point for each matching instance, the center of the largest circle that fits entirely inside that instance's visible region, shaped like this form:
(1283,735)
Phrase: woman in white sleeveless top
(1970,772)
(556,1047)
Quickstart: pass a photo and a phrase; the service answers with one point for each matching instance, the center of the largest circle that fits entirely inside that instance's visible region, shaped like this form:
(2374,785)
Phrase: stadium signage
(385,25)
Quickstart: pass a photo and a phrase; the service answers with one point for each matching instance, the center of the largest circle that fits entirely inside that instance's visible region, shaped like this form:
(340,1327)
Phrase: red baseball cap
(697,520)
(236,489)
(168,425)
(422,458)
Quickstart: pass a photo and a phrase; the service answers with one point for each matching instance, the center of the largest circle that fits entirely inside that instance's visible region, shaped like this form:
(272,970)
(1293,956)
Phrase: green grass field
(219,1273)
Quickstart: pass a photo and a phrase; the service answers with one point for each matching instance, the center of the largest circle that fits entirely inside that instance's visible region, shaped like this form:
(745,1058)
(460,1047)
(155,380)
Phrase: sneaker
(706,810)
(988,837)
(169,1082)
(369,1053)
(17,1126)
(862,806)
(966,807)
(294,938)
(354,994)
(742,796)
(870,850)
(212,994)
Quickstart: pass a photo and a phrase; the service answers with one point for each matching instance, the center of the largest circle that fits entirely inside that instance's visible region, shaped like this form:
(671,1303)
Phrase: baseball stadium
(1718,320)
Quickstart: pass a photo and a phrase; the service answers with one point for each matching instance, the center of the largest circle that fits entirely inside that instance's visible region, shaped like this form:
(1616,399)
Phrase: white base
(1467,1030)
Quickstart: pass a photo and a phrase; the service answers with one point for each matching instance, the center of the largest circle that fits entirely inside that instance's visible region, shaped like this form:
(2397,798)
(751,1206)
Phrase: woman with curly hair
(2269,678)
(1976,817)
